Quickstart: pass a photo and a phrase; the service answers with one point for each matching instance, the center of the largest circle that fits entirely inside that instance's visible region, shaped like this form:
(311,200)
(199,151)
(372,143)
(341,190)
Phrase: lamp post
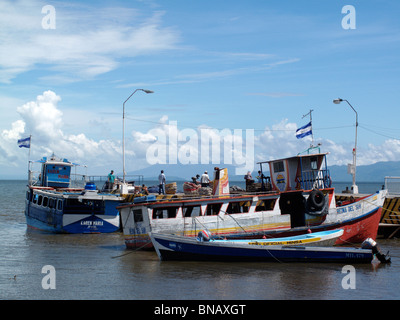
(353,169)
(123,129)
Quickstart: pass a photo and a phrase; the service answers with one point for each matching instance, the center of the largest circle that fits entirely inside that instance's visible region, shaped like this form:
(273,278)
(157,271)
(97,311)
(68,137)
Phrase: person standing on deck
(205,180)
(111,179)
(161,183)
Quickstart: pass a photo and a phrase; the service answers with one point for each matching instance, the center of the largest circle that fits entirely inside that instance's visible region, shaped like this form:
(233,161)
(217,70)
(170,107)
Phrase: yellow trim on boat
(287,242)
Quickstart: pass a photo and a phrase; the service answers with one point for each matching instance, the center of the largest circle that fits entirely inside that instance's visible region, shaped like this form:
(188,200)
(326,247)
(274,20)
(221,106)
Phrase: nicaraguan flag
(24,143)
(304,131)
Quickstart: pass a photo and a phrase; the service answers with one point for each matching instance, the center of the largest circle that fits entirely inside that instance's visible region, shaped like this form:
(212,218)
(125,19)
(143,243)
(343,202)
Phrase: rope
(234,220)
(274,256)
(131,251)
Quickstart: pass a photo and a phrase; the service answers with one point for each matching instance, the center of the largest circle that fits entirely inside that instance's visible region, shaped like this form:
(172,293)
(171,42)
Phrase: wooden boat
(296,198)
(323,238)
(53,205)
(173,247)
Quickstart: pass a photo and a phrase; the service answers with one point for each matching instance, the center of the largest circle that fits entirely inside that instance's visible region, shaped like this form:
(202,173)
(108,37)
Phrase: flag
(304,131)
(24,143)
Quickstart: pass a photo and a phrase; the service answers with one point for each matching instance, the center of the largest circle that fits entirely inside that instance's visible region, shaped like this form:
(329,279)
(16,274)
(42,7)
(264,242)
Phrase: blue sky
(254,64)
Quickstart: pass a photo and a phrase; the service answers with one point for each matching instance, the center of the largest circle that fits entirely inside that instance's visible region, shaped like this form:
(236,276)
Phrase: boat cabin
(301,172)
(54,173)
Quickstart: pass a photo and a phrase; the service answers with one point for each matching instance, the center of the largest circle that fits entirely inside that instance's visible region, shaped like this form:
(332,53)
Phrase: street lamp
(353,168)
(123,129)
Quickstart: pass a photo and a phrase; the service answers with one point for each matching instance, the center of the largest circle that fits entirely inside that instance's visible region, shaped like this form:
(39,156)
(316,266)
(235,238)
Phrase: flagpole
(30,143)
(312,134)
(29,158)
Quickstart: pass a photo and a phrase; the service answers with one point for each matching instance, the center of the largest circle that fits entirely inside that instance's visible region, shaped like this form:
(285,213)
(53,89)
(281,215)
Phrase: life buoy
(316,200)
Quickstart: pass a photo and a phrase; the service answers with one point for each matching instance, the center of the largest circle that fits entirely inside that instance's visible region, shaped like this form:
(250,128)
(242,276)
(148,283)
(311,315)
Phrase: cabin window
(213,209)
(59,204)
(314,163)
(45,201)
(52,203)
(35,198)
(238,207)
(137,215)
(40,200)
(265,205)
(166,212)
(191,211)
(278,166)
(27,195)
(75,206)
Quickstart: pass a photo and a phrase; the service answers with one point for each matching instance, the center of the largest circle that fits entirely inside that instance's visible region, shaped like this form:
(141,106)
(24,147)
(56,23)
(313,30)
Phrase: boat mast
(29,161)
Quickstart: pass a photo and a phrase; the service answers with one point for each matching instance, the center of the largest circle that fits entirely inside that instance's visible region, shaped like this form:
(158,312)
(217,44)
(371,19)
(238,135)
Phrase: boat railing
(33,178)
(392,185)
(136,179)
(78,181)
(315,179)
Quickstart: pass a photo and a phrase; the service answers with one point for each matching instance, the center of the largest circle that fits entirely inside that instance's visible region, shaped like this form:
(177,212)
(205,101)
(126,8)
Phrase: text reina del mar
(201,309)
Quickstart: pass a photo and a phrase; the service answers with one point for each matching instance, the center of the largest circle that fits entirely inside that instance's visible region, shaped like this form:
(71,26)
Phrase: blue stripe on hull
(52,221)
(91,224)
(187,251)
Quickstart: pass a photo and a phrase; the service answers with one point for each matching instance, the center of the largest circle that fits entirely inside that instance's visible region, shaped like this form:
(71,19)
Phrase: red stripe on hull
(355,231)
(138,244)
(358,231)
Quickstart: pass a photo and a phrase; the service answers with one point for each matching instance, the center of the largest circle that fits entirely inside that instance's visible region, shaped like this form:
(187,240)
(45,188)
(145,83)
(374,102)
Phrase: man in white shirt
(205,180)
(161,183)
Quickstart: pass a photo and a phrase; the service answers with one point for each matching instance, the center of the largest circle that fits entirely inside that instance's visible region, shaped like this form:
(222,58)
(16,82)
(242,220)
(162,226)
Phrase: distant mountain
(177,172)
(368,173)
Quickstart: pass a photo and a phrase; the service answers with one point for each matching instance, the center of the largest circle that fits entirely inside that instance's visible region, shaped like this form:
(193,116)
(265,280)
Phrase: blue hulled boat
(173,247)
(56,203)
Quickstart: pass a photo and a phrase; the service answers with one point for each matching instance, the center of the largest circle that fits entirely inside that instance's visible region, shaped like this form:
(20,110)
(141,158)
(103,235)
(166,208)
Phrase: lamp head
(147,91)
(337,101)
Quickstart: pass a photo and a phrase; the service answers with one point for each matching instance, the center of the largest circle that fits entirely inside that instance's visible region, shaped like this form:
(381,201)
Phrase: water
(99,266)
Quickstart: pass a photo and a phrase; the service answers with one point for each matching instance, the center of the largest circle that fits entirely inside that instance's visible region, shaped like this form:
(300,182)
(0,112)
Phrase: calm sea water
(99,266)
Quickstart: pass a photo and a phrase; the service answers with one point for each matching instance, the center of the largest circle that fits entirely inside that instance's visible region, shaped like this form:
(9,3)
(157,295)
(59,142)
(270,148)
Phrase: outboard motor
(204,235)
(369,243)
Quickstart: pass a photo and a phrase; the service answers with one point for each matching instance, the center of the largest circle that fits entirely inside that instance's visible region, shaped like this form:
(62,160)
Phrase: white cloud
(388,151)
(43,119)
(86,42)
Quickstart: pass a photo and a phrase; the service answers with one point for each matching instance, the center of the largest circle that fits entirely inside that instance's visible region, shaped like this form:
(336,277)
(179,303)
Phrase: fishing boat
(322,238)
(296,197)
(173,247)
(54,204)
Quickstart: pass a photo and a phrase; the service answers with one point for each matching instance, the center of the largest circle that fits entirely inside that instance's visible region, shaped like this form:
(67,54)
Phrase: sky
(232,81)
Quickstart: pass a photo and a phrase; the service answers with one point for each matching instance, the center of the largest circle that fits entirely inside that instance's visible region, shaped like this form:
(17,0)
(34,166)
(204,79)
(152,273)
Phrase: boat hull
(355,230)
(170,247)
(71,213)
(359,220)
